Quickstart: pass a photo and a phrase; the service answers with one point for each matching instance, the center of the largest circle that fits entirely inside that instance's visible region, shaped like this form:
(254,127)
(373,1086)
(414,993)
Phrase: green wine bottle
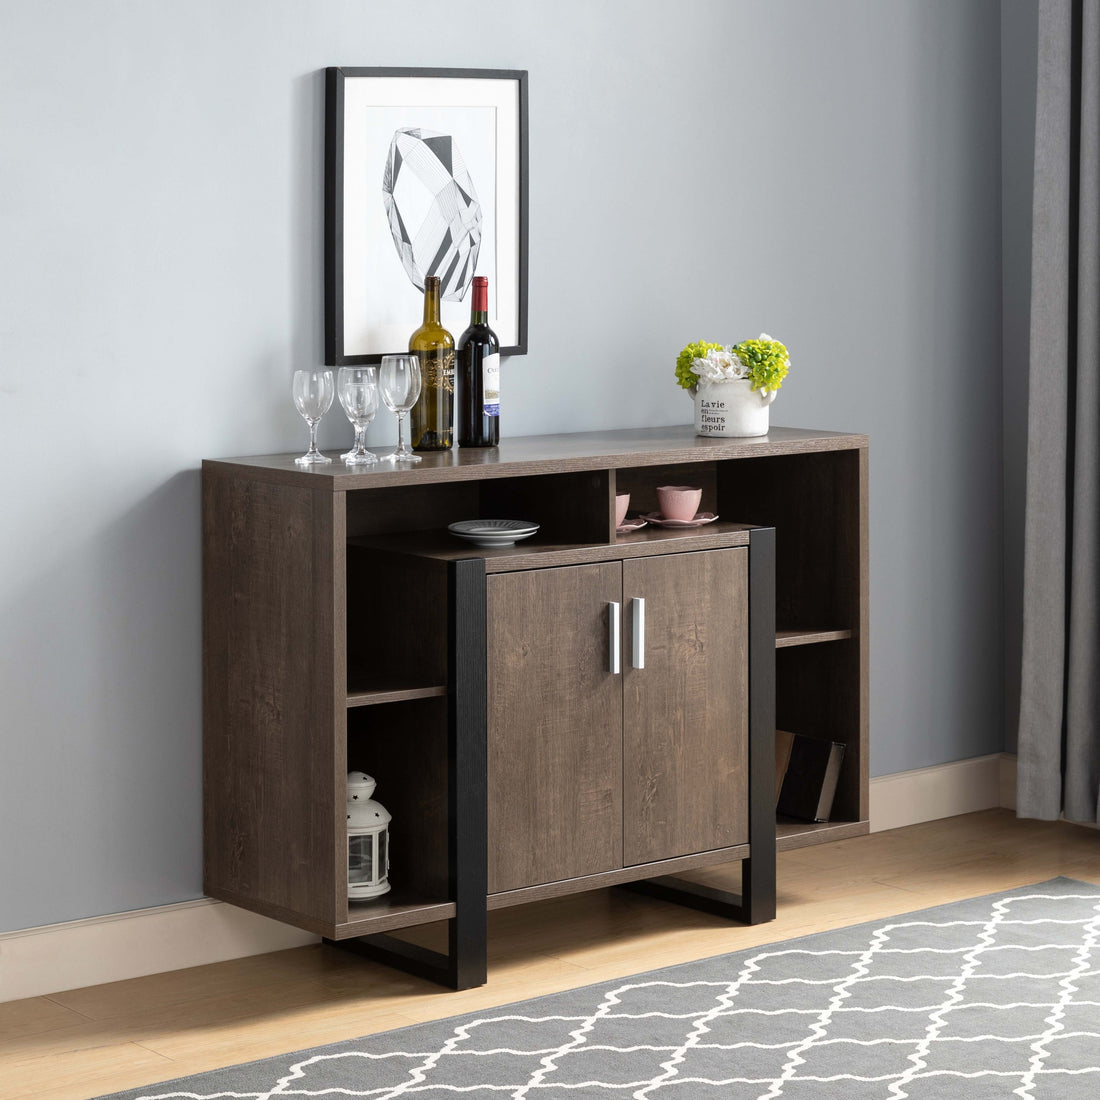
(433,413)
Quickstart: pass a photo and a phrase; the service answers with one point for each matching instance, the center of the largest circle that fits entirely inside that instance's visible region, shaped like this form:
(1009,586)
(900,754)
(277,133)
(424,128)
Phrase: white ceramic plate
(629,525)
(493,532)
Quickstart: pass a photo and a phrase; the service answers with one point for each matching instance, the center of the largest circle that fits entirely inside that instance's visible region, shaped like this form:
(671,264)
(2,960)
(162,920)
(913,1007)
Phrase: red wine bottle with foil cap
(479,375)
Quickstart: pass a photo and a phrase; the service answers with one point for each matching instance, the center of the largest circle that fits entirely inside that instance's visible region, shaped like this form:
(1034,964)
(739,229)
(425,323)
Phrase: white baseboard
(37,961)
(945,790)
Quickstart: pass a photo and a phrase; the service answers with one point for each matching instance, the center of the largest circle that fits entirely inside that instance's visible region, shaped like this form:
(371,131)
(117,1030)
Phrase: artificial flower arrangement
(763,362)
(733,384)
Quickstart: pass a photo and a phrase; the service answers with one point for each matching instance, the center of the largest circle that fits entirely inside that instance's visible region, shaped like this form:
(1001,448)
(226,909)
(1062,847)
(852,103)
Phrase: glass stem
(401,433)
(313,437)
(361,439)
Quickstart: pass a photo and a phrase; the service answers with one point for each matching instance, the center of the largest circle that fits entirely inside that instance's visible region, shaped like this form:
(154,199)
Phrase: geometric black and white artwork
(432,207)
(987,999)
(425,174)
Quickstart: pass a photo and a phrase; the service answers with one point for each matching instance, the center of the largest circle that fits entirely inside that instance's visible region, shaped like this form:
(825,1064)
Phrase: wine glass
(357,388)
(399,384)
(313,391)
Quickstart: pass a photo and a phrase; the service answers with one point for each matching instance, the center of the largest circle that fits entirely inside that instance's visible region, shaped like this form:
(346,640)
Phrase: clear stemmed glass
(399,384)
(357,388)
(313,391)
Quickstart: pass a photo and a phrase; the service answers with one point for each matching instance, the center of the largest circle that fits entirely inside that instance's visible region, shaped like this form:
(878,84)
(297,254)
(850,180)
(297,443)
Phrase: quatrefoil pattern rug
(987,999)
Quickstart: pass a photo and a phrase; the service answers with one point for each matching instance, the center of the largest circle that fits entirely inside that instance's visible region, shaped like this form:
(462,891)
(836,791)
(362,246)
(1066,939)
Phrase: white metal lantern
(368,840)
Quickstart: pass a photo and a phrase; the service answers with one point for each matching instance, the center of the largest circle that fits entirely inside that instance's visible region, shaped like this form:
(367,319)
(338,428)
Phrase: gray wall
(1019,45)
(828,173)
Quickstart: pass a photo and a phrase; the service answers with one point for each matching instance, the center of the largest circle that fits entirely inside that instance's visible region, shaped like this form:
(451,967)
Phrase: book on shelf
(807,769)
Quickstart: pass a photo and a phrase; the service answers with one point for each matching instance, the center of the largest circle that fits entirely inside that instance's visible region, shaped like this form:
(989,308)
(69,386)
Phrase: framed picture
(425,174)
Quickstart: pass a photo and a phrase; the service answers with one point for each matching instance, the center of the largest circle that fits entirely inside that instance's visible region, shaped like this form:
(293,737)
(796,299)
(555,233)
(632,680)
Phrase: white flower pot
(731,408)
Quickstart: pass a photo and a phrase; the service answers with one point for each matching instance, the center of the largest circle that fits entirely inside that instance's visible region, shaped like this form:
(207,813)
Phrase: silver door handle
(615,645)
(639,632)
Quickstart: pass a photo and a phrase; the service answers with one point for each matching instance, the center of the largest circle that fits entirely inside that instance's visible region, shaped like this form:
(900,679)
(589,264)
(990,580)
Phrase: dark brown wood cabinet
(617,715)
(516,763)
(555,722)
(685,729)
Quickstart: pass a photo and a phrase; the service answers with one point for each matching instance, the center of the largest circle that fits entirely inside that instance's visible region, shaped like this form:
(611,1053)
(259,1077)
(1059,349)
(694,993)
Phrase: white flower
(719,365)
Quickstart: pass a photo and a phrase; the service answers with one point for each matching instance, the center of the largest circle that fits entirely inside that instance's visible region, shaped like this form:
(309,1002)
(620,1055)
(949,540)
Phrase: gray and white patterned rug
(996,997)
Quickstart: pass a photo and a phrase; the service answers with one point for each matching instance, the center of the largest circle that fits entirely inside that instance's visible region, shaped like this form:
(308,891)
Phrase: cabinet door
(685,739)
(555,726)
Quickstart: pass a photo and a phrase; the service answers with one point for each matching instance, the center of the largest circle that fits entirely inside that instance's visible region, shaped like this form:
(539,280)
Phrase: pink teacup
(622,502)
(679,501)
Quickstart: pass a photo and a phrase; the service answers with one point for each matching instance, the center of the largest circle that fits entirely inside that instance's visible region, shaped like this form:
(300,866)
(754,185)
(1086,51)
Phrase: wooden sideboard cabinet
(581,710)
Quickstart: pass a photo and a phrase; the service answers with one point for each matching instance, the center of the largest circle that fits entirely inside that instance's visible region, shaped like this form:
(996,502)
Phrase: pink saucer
(700,519)
(629,525)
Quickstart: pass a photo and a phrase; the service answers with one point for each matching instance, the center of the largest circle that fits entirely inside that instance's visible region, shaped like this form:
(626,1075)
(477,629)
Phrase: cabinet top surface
(541,454)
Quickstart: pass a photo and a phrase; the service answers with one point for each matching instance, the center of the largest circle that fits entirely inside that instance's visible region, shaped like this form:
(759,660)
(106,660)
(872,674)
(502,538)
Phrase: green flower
(691,352)
(767,360)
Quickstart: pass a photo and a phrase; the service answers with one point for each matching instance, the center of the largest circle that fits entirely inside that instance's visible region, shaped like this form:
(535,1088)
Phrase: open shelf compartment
(574,508)
(817,505)
(641,482)
(396,641)
(403,746)
(818,692)
(814,503)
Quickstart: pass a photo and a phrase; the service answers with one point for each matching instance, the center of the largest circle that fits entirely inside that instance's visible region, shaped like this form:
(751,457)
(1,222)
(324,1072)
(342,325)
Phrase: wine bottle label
(490,384)
(439,370)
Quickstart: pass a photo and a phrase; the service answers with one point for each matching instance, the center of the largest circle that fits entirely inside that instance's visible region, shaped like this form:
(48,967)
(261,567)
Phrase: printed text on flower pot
(706,416)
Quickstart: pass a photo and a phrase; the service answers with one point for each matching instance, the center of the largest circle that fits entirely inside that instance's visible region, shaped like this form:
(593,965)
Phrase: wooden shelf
(803,834)
(665,538)
(533,554)
(373,696)
(397,909)
(785,638)
(523,456)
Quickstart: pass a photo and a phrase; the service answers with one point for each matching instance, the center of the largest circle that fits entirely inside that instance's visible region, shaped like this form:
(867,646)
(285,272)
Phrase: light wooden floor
(70,1046)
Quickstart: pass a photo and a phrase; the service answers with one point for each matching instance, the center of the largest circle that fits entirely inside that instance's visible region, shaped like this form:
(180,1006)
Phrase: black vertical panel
(467,772)
(758,871)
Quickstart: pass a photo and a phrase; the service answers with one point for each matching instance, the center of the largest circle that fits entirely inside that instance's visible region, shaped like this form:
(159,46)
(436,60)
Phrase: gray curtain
(1059,742)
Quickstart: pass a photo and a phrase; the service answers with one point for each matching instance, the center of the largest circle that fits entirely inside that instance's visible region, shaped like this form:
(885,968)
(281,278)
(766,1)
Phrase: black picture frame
(336,208)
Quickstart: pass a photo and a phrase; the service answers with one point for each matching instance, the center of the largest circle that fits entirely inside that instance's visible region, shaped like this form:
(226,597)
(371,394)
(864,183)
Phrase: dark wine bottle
(479,375)
(434,412)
